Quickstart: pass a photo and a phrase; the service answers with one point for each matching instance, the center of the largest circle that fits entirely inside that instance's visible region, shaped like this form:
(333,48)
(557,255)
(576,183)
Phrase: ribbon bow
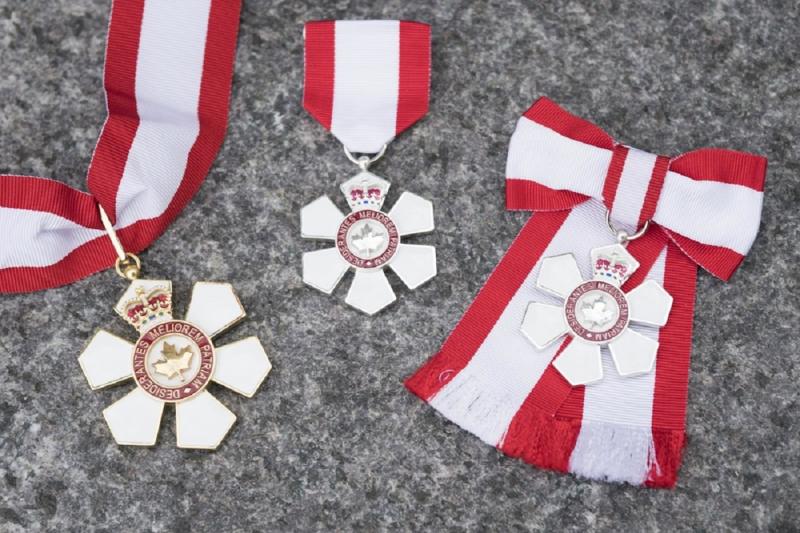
(707,201)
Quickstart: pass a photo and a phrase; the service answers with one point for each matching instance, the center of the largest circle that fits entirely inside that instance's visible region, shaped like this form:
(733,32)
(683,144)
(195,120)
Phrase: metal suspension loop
(623,237)
(127,265)
(364,161)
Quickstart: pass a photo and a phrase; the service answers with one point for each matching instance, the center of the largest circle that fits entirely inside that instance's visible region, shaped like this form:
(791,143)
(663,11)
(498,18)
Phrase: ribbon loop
(707,201)
(632,185)
(167,81)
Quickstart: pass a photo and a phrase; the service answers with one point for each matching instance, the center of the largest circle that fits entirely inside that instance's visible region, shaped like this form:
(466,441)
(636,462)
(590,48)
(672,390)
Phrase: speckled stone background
(333,441)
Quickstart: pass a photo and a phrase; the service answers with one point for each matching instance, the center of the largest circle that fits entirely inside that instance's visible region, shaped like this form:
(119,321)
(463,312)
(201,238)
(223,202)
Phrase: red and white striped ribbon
(367,81)
(490,380)
(167,81)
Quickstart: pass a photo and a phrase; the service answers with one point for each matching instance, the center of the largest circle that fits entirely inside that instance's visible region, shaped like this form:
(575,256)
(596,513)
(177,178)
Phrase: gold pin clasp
(128,265)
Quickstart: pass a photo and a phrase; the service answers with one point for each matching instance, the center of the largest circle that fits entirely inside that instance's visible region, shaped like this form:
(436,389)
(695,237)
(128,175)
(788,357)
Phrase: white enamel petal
(242,366)
(649,303)
(214,307)
(324,269)
(543,324)
(134,419)
(633,353)
(412,214)
(320,219)
(580,363)
(414,264)
(107,359)
(202,422)
(370,291)
(559,275)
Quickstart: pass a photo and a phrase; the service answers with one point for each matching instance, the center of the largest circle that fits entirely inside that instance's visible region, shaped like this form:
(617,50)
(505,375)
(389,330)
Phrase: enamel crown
(142,305)
(613,264)
(365,191)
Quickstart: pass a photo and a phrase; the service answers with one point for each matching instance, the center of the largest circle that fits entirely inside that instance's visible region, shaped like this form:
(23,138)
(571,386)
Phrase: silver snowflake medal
(597,313)
(173,361)
(367,240)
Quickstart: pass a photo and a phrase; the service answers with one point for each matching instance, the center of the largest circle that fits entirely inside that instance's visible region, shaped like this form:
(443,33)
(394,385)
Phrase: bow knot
(707,201)
(632,185)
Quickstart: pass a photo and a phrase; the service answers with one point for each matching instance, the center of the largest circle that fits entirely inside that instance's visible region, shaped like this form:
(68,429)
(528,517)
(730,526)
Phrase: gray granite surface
(333,441)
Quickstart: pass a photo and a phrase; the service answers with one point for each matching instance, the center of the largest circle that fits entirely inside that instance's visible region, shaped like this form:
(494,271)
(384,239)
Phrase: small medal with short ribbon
(367,82)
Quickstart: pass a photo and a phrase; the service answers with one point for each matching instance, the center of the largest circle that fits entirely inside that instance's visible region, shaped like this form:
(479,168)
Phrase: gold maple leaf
(172,361)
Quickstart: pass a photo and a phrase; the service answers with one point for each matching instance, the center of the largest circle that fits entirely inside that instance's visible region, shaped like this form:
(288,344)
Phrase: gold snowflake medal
(173,361)
(596,313)
(368,240)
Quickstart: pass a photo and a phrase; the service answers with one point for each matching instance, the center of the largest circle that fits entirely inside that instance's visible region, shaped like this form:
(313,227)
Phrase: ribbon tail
(489,379)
